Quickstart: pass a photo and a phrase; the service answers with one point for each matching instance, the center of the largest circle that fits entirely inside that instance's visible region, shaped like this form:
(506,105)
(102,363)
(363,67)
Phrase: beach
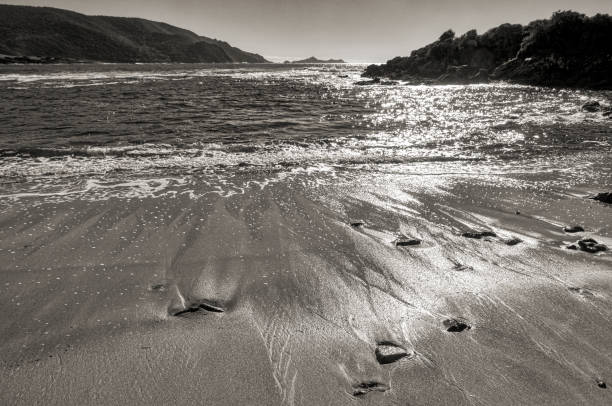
(276,276)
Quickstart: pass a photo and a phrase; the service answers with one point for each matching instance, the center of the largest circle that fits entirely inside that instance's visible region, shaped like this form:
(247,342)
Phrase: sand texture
(296,293)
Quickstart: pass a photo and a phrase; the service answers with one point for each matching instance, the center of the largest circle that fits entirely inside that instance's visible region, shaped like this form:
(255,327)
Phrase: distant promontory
(312,59)
(45,35)
(567,50)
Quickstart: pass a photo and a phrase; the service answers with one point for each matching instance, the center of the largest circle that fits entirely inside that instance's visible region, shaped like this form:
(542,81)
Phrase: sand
(289,302)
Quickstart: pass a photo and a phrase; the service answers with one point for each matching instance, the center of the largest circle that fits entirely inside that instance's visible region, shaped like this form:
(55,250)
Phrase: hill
(55,34)
(567,50)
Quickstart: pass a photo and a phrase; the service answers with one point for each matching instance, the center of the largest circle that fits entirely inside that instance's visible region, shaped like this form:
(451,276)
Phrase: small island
(567,50)
(313,59)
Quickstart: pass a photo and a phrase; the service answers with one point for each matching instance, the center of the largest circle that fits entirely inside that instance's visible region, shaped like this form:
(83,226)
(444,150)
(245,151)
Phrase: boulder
(573,229)
(455,325)
(604,197)
(478,234)
(403,241)
(513,241)
(591,246)
(387,352)
(591,106)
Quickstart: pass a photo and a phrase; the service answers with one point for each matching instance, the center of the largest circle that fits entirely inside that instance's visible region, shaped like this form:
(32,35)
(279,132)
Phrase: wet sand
(271,296)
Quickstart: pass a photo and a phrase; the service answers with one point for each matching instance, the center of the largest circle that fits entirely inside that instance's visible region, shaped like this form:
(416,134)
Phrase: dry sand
(88,289)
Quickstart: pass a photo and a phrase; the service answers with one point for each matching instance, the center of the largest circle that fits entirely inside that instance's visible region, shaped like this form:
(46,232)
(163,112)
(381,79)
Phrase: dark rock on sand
(363,388)
(591,106)
(159,287)
(604,197)
(591,246)
(199,306)
(479,234)
(455,326)
(388,352)
(357,223)
(513,241)
(462,268)
(573,229)
(405,241)
(601,384)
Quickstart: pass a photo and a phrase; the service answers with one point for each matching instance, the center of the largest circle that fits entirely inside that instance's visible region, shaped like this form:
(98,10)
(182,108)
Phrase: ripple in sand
(455,325)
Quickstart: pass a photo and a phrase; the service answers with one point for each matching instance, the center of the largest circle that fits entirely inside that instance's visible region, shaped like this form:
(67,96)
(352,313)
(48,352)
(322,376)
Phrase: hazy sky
(355,30)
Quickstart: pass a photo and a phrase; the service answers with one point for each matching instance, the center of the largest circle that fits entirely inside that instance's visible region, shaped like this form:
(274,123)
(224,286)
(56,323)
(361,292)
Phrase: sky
(354,30)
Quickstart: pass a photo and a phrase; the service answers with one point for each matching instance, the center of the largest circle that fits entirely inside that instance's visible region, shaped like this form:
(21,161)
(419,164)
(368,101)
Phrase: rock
(573,229)
(591,106)
(591,246)
(357,223)
(513,241)
(572,247)
(402,241)
(198,306)
(462,268)
(387,353)
(456,326)
(374,81)
(159,287)
(464,74)
(567,50)
(363,388)
(604,197)
(478,234)
(601,384)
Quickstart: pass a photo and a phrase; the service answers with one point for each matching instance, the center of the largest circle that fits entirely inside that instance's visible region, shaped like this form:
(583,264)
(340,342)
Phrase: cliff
(53,34)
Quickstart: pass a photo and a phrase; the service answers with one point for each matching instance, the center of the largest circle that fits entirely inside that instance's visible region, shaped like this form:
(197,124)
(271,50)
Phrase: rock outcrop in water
(56,35)
(569,50)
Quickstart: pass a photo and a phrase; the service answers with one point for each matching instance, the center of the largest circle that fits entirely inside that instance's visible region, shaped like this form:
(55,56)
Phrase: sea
(95,131)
